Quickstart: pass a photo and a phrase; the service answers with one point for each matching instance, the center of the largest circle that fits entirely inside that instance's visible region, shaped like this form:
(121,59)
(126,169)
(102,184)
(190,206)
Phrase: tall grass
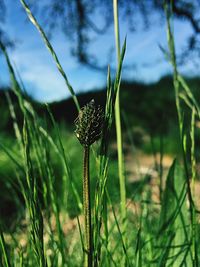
(177,87)
(144,231)
(121,169)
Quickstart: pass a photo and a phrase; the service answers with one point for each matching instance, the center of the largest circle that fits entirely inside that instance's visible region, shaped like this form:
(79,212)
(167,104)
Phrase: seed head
(89,124)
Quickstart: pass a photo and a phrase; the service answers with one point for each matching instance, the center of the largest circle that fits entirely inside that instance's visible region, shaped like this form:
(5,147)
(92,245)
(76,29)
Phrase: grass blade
(51,50)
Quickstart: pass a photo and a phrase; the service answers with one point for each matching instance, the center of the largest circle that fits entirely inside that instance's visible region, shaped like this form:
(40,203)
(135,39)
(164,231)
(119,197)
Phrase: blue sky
(41,78)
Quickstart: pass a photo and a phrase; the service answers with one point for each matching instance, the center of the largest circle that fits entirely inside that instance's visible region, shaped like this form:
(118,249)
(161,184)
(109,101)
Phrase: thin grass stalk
(189,94)
(81,234)
(31,194)
(193,169)
(177,90)
(32,202)
(171,45)
(45,168)
(38,152)
(138,250)
(16,88)
(123,243)
(118,125)
(4,250)
(14,82)
(100,196)
(87,208)
(14,118)
(21,259)
(161,166)
(56,210)
(51,50)
(193,159)
(61,153)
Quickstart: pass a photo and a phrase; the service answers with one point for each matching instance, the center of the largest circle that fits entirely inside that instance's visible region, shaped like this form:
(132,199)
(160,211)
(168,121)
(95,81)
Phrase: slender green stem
(32,203)
(193,169)
(116,25)
(176,82)
(193,159)
(51,50)
(119,132)
(4,251)
(161,167)
(87,208)
(178,107)
(55,208)
(118,121)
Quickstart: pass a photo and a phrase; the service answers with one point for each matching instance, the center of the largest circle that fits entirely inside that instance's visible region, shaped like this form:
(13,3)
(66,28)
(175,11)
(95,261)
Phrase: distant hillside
(149,106)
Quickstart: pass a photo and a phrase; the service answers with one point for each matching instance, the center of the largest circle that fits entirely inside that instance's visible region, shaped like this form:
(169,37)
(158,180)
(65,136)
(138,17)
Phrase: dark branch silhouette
(83,20)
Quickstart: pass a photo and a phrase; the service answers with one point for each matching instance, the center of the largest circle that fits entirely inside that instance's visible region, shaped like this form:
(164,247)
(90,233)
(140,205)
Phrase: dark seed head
(89,124)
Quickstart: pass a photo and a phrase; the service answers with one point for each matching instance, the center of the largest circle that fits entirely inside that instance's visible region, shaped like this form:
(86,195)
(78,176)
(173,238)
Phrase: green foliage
(174,220)
(41,174)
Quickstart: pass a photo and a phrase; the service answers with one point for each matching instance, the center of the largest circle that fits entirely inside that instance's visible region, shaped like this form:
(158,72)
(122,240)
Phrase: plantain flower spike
(89,124)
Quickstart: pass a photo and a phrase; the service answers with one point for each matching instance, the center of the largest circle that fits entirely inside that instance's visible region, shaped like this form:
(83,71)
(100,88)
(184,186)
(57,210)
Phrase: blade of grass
(4,250)
(65,162)
(33,204)
(119,230)
(171,45)
(118,123)
(193,169)
(31,192)
(189,93)
(99,207)
(51,50)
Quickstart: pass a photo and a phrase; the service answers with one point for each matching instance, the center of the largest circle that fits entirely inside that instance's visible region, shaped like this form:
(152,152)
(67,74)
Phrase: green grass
(137,219)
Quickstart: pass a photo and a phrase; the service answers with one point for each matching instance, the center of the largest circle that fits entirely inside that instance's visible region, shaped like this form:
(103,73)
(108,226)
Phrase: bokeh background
(82,34)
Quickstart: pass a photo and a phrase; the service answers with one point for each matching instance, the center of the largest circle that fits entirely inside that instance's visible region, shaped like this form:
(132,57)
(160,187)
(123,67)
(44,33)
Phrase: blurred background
(82,34)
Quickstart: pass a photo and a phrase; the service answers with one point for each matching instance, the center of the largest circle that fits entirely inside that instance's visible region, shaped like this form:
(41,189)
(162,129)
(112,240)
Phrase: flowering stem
(87,208)
(89,125)
(121,170)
